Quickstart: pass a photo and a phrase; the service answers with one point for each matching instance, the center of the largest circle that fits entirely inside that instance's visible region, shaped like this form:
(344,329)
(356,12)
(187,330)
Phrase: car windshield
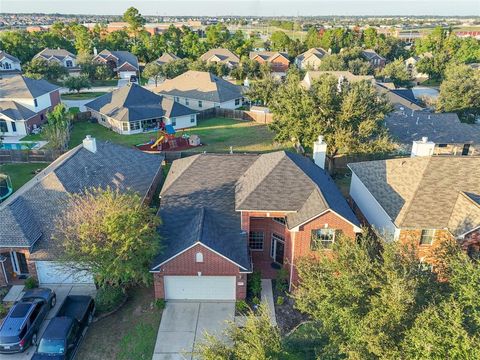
(47,346)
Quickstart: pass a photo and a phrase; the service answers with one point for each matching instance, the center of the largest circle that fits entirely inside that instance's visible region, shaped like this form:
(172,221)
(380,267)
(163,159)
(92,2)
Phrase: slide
(159,140)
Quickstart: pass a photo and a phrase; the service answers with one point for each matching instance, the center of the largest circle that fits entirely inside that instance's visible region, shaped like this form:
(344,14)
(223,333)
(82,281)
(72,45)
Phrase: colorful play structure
(168,140)
(6,188)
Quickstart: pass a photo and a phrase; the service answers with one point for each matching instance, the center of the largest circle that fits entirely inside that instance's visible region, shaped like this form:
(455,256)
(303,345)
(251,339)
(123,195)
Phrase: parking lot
(62,292)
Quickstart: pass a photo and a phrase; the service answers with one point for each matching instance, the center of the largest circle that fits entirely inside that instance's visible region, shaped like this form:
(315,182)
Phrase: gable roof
(201,85)
(133,102)
(288,182)
(166,58)
(3,54)
(403,97)
(203,195)
(441,128)
(121,56)
(58,54)
(420,192)
(21,87)
(15,111)
(30,212)
(268,55)
(224,55)
(319,53)
(370,54)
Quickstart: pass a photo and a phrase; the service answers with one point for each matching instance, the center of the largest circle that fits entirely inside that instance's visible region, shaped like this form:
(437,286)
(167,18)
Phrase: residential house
(166,58)
(221,56)
(123,63)
(411,65)
(278,61)
(376,60)
(446,134)
(226,215)
(311,59)
(28,217)
(24,103)
(9,64)
(341,76)
(422,200)
(202,90)
(62,57)
(133,109)
(400,97)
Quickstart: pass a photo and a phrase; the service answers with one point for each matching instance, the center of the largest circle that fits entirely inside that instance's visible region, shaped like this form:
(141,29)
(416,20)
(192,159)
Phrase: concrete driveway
(184,323)
(62,291)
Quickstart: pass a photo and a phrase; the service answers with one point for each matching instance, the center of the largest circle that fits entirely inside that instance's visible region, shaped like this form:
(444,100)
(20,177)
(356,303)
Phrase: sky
(247,7)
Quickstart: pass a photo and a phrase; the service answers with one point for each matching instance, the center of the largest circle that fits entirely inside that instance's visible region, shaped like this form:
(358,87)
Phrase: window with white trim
(280,220)
(427,237)
(199,257)
(200,103)
(174,121)
(255,240)
(275,237)
(35,102)
(135,125)
(237,102)
(192,118)
(125,126)
(187,102)
(322,239)
(69,63)
(176,99)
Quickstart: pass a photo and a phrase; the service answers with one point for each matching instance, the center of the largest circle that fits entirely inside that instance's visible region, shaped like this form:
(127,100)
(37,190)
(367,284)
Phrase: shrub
(280,300)
(254,284)
(281,283)
(160,304)
(256,300)
(241,307)
(31,283)
(3,310)
(108,298)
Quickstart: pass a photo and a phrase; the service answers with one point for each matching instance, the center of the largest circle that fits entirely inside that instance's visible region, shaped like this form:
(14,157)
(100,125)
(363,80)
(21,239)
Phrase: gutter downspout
(291,265)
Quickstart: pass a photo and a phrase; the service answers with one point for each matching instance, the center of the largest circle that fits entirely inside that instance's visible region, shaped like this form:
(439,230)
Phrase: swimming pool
(18,146)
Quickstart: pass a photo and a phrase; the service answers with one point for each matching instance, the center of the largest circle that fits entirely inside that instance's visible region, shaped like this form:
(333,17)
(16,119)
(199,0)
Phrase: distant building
(376,60)
(59,56)
(279,61)
(221,56)
(311,59)
(166,58)
(411,65)
(9,64)
(123,63)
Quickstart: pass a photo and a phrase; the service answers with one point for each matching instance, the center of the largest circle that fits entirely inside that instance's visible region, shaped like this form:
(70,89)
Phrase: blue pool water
(16,146)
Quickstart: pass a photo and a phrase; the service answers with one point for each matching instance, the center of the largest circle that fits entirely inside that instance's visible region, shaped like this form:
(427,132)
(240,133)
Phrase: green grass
(111,82)
(21,173)
(129,333)
(82,95)
(33,137)
(303,342)
(218,134)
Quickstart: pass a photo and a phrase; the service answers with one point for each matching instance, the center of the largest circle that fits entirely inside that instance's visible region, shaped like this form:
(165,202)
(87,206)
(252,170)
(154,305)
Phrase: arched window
(69,63)
(199,257)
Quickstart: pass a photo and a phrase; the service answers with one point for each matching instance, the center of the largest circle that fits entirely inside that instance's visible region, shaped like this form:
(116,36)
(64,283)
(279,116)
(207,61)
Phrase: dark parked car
(134,79)
(20,328)
(64,332)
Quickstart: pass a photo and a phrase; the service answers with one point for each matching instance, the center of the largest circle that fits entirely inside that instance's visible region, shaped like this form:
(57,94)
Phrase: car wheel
(34,339)
(53,302)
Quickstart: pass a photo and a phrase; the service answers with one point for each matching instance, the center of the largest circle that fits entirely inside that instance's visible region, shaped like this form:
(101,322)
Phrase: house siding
(193,103)
(212,265)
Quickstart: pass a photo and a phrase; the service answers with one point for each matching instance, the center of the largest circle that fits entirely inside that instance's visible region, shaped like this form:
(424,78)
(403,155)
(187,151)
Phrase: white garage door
(199,287)
(127,74)
(51,272)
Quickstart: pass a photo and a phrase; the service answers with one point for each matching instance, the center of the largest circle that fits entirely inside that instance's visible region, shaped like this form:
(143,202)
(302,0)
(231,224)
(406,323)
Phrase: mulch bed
(287,316)
(181,144)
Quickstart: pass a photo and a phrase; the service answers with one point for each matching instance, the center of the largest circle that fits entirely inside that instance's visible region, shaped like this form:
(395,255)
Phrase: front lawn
(128,334)
(111,82)
(82,95)
(21,173)
(218,134)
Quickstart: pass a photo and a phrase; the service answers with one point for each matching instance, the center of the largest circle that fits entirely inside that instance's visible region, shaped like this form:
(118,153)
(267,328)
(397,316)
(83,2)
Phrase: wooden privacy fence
(257,116)
(12,156)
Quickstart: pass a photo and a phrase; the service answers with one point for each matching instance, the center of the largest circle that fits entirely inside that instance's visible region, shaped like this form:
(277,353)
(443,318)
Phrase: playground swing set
(167,139)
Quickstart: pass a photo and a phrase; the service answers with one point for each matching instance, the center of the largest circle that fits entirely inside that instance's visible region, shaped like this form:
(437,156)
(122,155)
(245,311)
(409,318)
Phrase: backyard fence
(22,156)
(259,117)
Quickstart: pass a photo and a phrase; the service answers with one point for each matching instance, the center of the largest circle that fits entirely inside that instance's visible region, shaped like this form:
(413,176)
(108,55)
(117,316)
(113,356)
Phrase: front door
(19,262)
(466,149)
(278,248)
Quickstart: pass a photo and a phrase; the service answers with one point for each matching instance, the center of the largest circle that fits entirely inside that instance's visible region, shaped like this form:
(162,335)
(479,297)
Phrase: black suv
(20,327)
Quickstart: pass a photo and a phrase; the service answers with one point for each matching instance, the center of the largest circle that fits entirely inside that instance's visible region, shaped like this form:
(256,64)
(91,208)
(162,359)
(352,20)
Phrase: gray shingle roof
(32,209)
(15,111)
(267,55)
(8,56)
(60,54)
(370,54)
(224,55)
(201,85)
(317,52)
(420,192)
(446,128)
(19,87)
(203,194)
(166,58)
(133,103)
(122,56)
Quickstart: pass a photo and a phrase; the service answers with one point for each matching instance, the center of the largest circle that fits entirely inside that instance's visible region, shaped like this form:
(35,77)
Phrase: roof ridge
(166,185)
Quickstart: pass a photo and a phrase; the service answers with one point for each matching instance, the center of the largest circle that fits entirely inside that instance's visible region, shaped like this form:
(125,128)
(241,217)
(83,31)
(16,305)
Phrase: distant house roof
(319,53)
(133,103)
(203,195)
(311,76)
(201,85)
(422,192)
(166,58)
(370,54)
(268,55)
(121,57)
(223,56)
(58,54)
(15,111)
(31,211)
(21,87)
(402,97)
(3,55)
(441,128)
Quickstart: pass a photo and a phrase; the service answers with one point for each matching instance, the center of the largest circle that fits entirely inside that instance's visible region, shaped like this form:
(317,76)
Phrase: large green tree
(397,72)
(57,128)
(460,92)
(134,19)
(40,68)
(111,234)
